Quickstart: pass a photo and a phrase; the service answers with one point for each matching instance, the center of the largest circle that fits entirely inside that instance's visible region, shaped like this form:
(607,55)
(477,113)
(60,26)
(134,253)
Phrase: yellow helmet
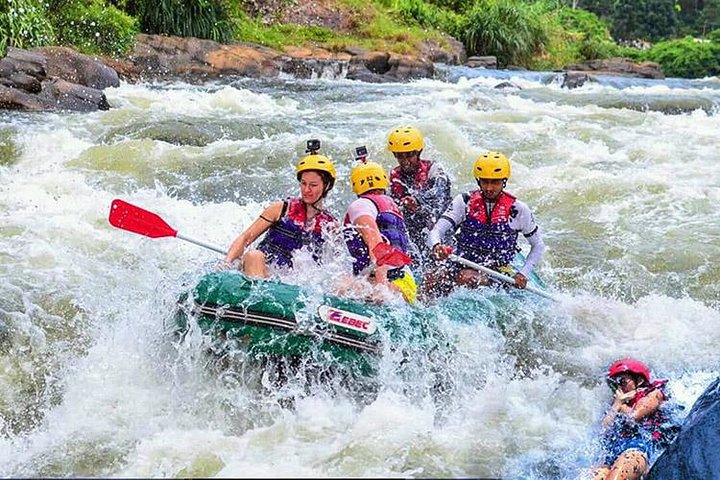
(405,139)
(368,176)
(318,163)
(492,165)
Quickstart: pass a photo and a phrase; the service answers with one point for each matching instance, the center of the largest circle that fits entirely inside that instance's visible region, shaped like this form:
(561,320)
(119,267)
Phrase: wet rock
(619,66)
(29,63)
(74,67)
(30,81)
(16,99)
(62,95)
(406,67)
(693,454)
(574,80)
(21,81)
(507,85)
(489,61)
(158,55)
(315,68)
(452,54)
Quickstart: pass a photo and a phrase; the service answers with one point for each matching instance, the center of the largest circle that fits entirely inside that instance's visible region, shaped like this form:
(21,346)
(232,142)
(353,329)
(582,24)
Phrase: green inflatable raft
(271,318)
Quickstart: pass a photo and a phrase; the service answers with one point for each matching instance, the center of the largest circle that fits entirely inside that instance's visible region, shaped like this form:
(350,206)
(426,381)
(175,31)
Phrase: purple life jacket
(289,233)
(486,237)
(392,227)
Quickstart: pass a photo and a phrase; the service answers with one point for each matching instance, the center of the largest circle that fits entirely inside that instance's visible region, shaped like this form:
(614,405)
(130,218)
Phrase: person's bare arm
(647,405)
(270,215)
(368,230)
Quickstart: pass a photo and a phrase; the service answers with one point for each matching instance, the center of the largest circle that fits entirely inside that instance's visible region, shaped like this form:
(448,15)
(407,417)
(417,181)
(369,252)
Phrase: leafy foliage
(24,24)
(643,19)
(512,30)
(208,19)
(93,27)
(687,57)
(714,36)
(428,14)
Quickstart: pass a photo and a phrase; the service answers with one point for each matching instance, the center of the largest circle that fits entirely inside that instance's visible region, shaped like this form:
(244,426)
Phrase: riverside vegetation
(538,35)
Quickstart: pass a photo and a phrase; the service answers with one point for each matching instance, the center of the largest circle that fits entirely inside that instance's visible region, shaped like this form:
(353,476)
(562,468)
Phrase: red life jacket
(398,188)
(659,424)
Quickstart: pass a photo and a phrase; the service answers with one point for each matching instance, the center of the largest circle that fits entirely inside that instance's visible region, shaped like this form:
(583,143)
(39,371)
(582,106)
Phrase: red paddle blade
(386,254)
(137,220)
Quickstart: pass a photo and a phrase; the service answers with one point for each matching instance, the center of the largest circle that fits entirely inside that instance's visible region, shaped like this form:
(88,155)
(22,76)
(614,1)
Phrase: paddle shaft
(498,275)
(201,243)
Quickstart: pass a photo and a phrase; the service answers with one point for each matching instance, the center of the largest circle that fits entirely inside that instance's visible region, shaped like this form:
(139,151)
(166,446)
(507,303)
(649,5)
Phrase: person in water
(375,228)
(290,224)
(637,425)
(488,221)
(420,187)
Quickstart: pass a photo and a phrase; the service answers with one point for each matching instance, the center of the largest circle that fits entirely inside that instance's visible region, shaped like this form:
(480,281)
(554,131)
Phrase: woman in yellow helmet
(488,221)
(290,224)
(373,222)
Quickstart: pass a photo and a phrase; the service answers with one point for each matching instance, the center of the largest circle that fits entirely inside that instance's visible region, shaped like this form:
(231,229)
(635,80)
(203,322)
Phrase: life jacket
(391,224)
(399,189)
(486,237)
(288,233)
(659,427)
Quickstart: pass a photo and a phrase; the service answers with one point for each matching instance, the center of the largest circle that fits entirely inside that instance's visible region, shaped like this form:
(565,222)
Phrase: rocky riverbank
(59,78)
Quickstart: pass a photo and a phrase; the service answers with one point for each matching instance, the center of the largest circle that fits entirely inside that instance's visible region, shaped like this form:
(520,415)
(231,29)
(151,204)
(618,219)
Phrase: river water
(622,175)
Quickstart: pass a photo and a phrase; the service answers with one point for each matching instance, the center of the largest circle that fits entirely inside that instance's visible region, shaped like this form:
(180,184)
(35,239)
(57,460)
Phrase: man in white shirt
(488,221)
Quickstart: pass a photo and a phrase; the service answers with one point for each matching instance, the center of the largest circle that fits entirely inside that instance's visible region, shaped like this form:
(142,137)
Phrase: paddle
(499,276)
(137,220)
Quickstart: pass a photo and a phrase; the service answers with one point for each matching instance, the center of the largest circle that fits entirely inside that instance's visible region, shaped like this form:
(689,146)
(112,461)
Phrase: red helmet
(629,365)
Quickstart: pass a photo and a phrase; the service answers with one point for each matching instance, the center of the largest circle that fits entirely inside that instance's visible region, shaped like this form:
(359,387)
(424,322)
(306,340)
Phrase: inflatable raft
(271,318)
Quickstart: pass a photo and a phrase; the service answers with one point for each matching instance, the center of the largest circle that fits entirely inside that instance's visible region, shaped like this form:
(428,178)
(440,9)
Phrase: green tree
(710,16)
(643,19)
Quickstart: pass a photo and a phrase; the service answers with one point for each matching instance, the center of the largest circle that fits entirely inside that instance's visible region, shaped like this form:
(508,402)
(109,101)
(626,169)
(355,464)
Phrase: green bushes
(512,30)
(686,57)
(208,19)
(24,24)
(94,27)
(592,35)
(430,15)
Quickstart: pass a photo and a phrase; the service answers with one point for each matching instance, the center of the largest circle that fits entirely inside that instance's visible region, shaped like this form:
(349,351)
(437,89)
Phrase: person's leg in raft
(254,264)
(630,465)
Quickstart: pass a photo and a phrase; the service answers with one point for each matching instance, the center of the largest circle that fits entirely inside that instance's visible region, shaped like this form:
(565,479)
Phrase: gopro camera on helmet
(361,153)
(313,146)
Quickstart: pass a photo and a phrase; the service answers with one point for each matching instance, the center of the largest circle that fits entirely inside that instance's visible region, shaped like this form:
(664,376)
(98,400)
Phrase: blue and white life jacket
(289,233)
(486,237)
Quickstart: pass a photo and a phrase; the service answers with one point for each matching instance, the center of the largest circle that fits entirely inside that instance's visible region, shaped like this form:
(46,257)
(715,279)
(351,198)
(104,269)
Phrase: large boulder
(694,453)
(159,56)
(53,79)
(452,53)
(63,95)
(74,67)
(488,61)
